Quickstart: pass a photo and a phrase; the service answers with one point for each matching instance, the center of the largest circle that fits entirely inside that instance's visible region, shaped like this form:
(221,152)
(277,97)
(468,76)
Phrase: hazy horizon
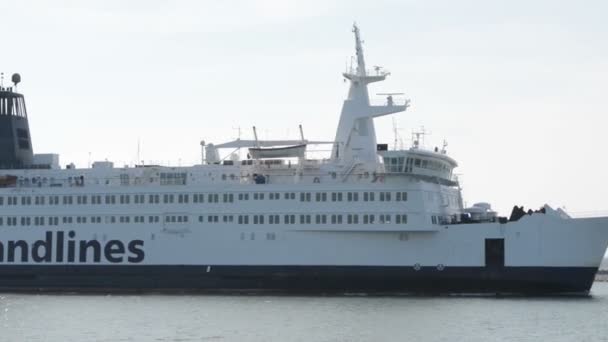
(517,89)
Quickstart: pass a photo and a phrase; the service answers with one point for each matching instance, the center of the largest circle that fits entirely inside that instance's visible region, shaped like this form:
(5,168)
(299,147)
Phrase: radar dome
(16,78)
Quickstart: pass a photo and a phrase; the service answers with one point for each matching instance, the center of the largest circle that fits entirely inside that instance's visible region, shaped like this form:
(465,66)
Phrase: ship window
(243,219)
(304,219)
(173,178)
(305,197)
(401,196)
(258,219)
(321,196)
(385,196)
(336,197)
(417,162)
(110,199)
(67,199)
(289,219)
(124,179)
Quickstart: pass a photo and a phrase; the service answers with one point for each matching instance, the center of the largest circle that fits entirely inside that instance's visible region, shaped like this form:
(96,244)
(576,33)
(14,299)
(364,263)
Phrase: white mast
(356,134)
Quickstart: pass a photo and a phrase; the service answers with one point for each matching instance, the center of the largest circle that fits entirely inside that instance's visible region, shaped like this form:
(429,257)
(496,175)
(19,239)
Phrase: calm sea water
(285,318)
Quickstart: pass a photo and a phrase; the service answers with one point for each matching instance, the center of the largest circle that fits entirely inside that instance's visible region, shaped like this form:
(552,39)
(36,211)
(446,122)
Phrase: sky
(516,88)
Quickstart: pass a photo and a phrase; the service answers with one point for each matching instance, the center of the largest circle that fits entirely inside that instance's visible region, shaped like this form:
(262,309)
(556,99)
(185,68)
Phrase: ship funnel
(15,141)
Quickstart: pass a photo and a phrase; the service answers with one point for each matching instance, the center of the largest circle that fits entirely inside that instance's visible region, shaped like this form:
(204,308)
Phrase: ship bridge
(422,163)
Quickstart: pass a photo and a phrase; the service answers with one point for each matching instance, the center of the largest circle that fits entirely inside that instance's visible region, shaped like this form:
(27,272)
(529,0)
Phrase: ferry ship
(367,219)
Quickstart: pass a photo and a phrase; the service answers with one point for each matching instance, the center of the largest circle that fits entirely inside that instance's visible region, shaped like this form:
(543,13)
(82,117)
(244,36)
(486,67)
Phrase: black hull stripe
(298,279)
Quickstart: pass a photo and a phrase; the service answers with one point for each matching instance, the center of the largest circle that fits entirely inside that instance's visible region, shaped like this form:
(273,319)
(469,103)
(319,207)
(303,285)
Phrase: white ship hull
(542,254)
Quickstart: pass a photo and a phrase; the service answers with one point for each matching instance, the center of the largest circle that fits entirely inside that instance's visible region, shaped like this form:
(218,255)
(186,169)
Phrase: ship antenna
(396,133)
(1,79)
(255,135)
(359,49)
(301,133)
(139,150)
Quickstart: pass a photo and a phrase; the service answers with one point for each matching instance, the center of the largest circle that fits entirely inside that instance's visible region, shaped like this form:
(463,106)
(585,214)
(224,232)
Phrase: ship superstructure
(365,219)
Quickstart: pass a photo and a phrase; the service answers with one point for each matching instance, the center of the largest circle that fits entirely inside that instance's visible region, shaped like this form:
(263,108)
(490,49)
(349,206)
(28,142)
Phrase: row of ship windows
(367,196)
(240,219)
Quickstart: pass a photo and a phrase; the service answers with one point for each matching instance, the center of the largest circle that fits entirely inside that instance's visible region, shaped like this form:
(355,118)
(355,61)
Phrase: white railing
(379,101)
